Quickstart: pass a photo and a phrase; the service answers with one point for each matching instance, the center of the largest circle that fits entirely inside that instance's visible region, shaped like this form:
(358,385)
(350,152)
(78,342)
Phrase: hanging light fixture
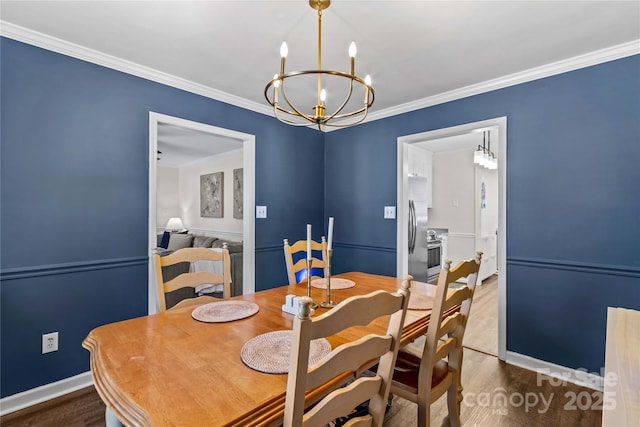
(294,115)
(483,156)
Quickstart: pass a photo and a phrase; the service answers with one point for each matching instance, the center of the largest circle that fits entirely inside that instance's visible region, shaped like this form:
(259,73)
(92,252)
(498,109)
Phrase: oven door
(434,259)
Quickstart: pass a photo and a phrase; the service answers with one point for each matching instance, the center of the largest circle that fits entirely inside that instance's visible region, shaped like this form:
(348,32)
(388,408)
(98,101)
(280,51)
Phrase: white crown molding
(43,393)
(45,41)
(559,67)
(66,48)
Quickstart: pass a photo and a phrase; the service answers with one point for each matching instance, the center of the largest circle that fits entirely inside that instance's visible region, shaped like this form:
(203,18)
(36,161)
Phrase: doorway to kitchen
(157,122)
(446,139)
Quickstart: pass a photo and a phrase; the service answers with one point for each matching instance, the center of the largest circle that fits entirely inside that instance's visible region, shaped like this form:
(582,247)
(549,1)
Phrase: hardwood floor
(82,408)
(496,394)
(482,327)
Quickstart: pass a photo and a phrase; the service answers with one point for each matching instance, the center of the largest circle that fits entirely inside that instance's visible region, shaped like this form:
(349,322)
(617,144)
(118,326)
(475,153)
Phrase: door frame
(248,222)
(402,200)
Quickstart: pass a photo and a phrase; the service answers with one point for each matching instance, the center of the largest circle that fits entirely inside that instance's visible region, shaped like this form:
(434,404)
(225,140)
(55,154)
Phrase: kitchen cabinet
(420,164)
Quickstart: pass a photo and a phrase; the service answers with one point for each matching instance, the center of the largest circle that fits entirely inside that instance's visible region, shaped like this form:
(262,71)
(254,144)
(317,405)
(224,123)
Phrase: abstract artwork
(237,193)
(212,195)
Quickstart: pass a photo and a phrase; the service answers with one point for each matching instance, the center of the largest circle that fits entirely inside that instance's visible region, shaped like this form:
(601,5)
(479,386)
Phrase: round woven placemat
(270,352)
(420,302)
(336,283)
(224,311)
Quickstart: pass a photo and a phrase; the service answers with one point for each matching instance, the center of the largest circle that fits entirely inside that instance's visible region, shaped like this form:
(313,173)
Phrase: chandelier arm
(295,112)
(288,121)
(335,114)
(298,112)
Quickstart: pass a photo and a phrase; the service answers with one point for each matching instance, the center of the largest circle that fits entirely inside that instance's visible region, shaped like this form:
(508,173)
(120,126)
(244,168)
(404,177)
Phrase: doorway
(403,144)
(157,120)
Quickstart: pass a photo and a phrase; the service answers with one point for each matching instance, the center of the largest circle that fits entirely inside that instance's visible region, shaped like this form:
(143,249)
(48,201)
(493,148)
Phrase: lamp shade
(174,224)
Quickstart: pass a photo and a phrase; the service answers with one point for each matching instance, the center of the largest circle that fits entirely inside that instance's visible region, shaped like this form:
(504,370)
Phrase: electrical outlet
(389,212)
(49,342)
(261,211)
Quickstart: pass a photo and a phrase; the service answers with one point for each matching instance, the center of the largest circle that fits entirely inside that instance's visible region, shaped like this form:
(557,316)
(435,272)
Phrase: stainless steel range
(434,258)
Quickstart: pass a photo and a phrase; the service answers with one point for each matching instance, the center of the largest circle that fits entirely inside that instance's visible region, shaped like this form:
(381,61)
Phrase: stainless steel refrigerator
(418,237)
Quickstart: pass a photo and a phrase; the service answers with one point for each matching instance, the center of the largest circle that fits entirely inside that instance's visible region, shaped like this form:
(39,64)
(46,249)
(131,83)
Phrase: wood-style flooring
(496,394)
(482,327)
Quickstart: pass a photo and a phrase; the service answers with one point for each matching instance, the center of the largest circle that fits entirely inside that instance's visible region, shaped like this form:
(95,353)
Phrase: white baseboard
(43,393)
(560,373)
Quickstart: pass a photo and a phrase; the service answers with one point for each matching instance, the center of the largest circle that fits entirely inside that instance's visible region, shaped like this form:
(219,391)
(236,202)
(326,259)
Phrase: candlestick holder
(327,273)
(309,263)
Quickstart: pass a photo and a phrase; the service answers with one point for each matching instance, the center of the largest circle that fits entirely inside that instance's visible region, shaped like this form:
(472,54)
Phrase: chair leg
(424,414)
(459,375)
(453,404)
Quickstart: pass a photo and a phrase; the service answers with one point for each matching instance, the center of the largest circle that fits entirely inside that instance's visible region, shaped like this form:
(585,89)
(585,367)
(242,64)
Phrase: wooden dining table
(169,369)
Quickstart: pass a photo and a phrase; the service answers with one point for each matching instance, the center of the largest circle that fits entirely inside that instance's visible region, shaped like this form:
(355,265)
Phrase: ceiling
(179,146)
(412,49)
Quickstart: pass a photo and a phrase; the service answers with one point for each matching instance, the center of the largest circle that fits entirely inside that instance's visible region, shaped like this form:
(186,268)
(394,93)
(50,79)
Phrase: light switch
(389,212)
(261,211)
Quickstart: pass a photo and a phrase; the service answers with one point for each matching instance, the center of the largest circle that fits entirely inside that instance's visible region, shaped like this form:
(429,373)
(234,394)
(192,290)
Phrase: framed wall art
(238,193)
(212,195)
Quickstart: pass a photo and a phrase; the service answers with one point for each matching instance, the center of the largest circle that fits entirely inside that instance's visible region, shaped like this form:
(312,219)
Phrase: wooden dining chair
(192,279)
(424,378)
(346,361)
(295,257)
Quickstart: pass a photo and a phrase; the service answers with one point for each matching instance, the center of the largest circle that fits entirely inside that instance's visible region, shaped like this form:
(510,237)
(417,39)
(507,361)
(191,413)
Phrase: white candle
(329,244)
(308,241)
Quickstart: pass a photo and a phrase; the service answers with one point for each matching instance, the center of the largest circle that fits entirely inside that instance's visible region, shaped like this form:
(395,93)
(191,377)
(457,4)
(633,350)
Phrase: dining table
(169,369)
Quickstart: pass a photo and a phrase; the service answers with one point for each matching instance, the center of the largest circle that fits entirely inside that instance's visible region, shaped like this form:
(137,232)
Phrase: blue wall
(573,227)
(74,197)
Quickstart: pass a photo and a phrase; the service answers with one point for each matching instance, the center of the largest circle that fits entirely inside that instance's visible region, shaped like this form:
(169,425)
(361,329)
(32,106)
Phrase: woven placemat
(420,302)
(224,311)
(270,352)
(336,283)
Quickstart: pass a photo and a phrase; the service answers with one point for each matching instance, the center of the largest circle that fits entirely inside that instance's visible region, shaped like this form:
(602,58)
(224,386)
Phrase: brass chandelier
(288,113)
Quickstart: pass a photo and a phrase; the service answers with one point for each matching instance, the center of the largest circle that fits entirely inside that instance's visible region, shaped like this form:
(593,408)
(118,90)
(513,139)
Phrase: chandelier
(483,156)
(318,116)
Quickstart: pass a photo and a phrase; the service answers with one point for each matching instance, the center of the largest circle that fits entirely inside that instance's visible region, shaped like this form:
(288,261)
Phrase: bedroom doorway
(160,126)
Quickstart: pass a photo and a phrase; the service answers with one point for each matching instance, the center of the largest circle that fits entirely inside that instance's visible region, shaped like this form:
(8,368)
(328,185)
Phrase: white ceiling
(413,50)
(180,146)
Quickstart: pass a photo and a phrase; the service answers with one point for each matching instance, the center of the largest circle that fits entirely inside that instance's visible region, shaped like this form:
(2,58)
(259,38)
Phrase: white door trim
(402,201)
(248,223)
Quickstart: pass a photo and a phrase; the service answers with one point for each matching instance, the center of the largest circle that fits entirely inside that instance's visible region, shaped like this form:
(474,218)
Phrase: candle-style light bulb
(323,95)
(284,49)
(367,80)
(353,50)
(277,82)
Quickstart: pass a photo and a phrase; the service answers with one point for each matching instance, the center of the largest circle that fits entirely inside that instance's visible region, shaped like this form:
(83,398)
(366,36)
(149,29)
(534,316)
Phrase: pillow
(164,240)
(203,241)
(180,241)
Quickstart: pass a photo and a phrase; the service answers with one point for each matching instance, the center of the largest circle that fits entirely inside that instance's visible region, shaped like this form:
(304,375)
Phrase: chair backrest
(345,361)
(192,279)
(444,336)
(295,257)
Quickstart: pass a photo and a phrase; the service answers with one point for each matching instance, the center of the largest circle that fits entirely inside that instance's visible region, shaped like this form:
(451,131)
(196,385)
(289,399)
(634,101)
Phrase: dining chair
(192,279)
(346,361)
(295,257)
(423,378)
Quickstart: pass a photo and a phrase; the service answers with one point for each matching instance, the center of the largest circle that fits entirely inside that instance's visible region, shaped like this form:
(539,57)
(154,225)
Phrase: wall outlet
(261,211)
(49,342)
(389,212)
